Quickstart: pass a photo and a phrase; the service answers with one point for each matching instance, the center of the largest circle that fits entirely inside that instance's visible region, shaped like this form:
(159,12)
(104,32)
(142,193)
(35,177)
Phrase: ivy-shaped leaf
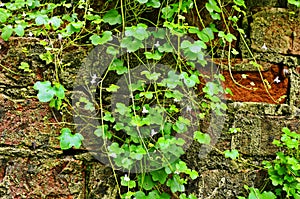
(97,40)
(142,1)
(131,44)
(156,55)
(153,3)
(112,17)
(151,76)
(202,138)
(74,27)
(19,30)
(25,66)
(159,175)
(46,92)
(146,182)
(112,51)
(139,32)
(118,66)
(159,34)
(4,15)
(59,90)
(212,6)
(242,3)
(166,47)
(125,181)
(176,184)
(41,20)
(7,32)
(48,57)
(233,154)
(55,22)
(68,140)
(113,88)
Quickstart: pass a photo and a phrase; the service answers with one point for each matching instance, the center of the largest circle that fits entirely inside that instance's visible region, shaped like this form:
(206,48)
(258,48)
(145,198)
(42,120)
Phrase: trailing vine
(162,114)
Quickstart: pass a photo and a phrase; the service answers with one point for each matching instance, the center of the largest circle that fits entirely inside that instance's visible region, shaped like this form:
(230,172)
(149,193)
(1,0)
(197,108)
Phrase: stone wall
(33,166)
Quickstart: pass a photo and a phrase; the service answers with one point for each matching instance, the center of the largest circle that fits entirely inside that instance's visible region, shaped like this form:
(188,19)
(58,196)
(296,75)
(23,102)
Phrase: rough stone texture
(295,91)
(18,84)
(101,182)
(28,123)
(32,166)
(276,30)
(32,177)
(265,3)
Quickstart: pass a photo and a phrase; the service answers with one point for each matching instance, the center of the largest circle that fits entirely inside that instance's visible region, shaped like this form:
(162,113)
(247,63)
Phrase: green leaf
(202,138)
(6,32)
(74,27)
(59,90)
(173,80)
(68,140)
(228,91)
(268,195)
(41,20)
(46,92)
(113,88)
(19,30)
(176,184)
(212,6)
(151,76)
(55,103)
(156,55)
(142,1)
(77,25)
(294,2)
(190,81)
(140,195)
(209,32)
(108,117)
(166,47)
(153,3)
(4,15)
(138,86)
(159,34)
(114,148)
(233,154)
(25,66)
(285,130)
(122,109)
(154,194)
(240,3)
(112,51)
(148,95)
(117,65)
(55,22)
(230,37)
(112,17)
(97,40)
(48,57)
(139,32)
(159,175)
(125,181)
(183,196)
(215,16)
(193,174)
(145,182)
(168,12)
(234,51)
(131,44)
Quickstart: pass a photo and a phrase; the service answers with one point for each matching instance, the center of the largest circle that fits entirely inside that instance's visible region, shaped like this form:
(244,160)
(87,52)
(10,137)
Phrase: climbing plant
(162,114)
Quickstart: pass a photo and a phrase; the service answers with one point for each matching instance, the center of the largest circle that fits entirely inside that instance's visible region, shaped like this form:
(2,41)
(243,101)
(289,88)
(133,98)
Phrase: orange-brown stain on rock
(255,91)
